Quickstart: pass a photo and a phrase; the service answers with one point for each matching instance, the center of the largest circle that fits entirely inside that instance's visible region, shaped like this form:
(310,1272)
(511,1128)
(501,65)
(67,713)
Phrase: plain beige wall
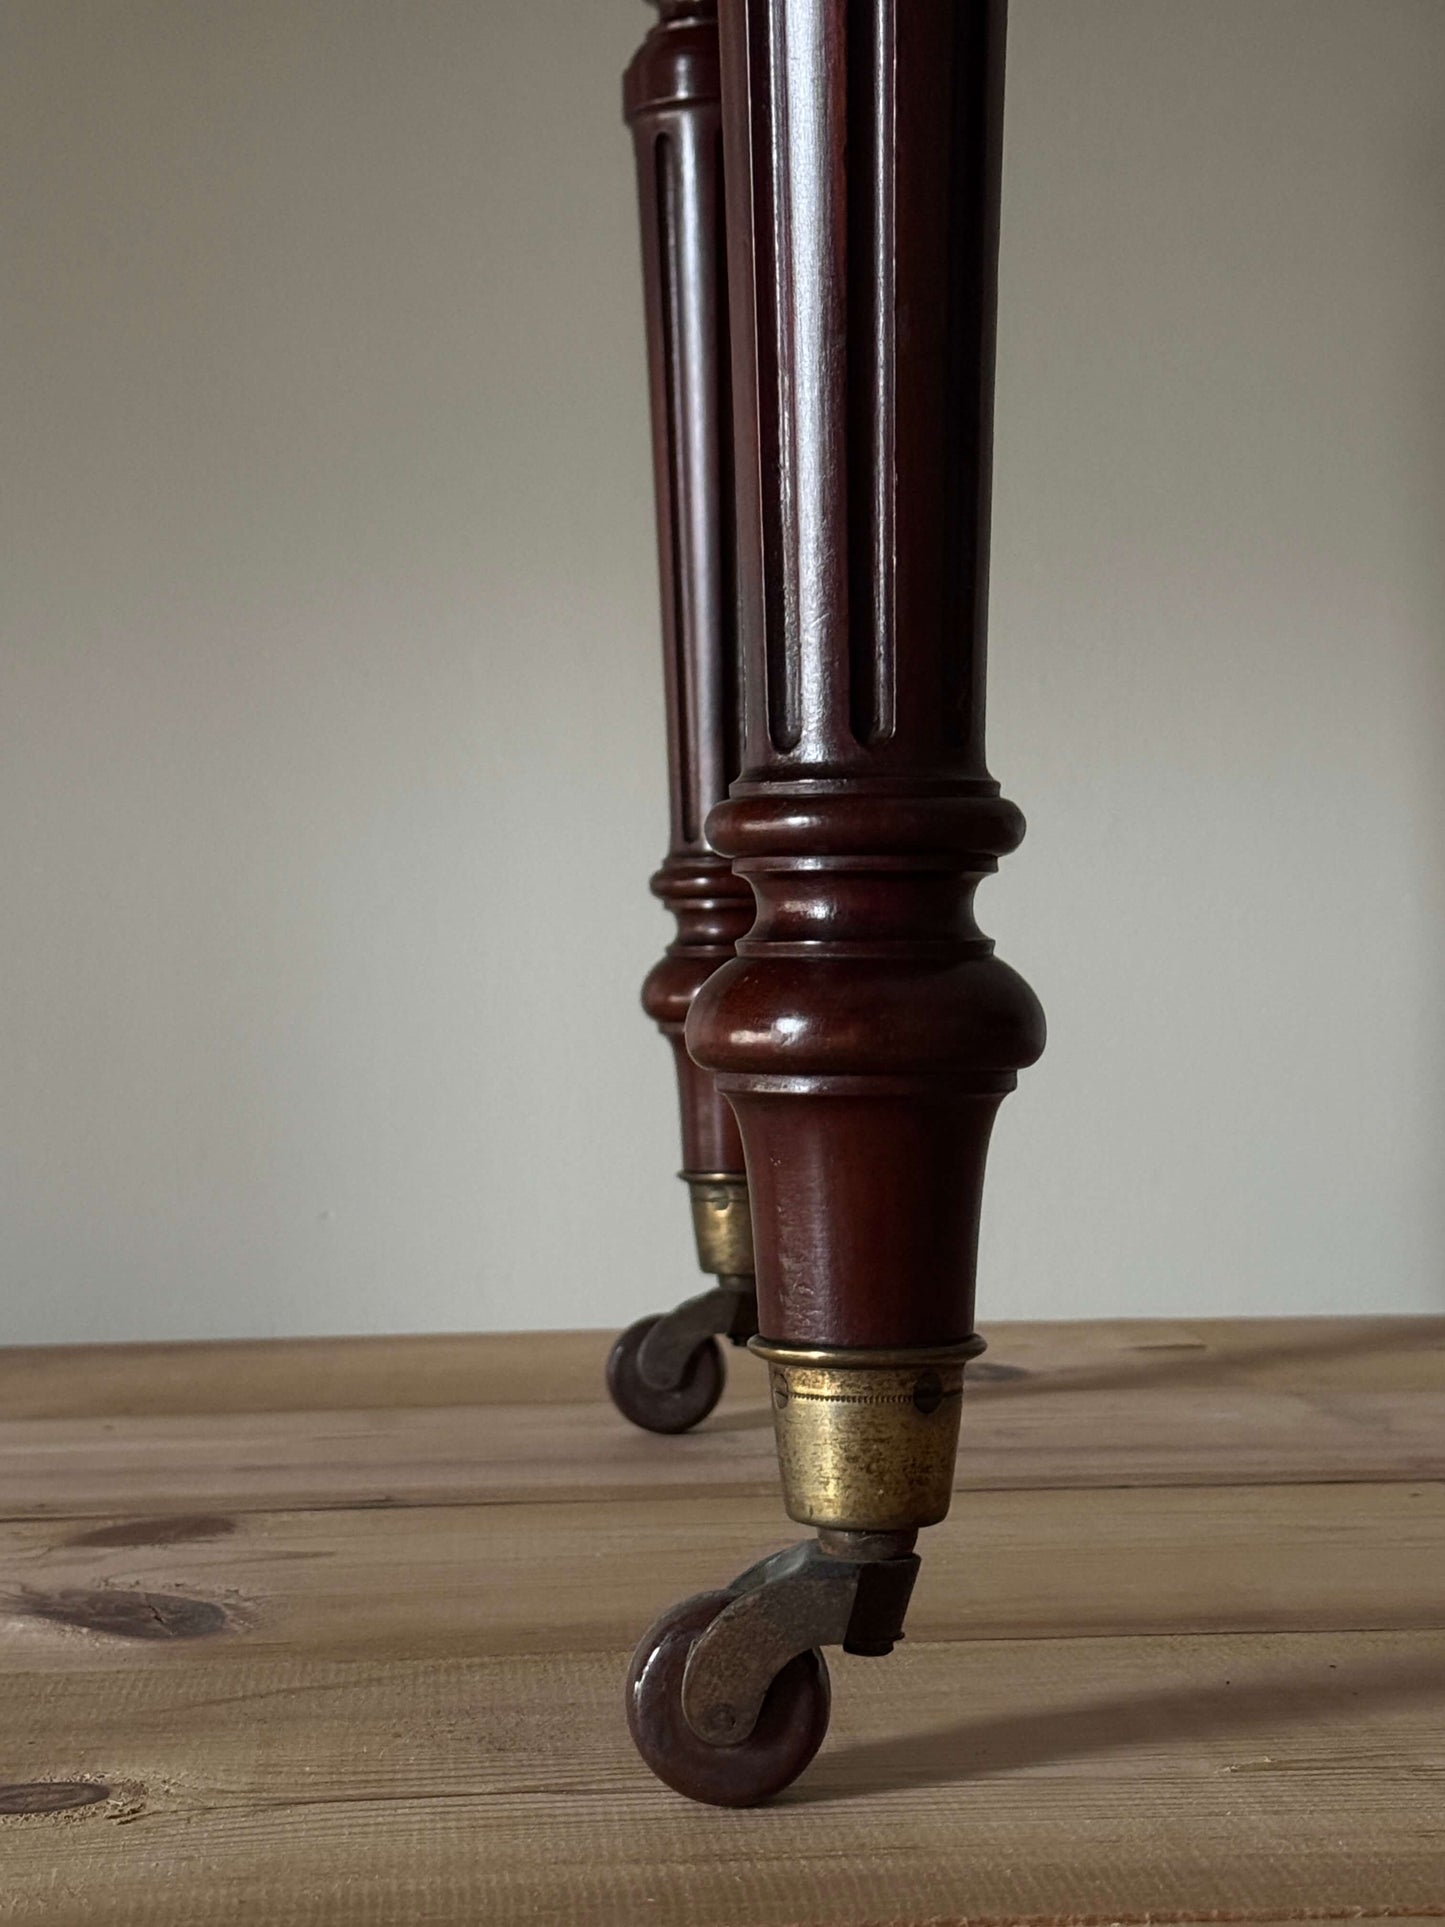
(330,705)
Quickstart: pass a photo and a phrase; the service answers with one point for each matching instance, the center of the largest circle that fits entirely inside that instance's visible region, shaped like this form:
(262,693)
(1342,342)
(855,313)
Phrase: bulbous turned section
(865,1035)
(713,909)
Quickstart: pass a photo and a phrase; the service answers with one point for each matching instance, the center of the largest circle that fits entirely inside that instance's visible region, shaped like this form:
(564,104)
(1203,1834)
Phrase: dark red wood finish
(865,1033)
(671,99)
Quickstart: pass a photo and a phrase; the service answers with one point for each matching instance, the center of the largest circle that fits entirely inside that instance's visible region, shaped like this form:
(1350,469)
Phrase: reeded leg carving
(865,1033)
(666,1373)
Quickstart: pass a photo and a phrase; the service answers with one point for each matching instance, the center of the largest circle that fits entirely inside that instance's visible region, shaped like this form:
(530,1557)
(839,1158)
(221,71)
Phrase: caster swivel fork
(848,1589)
(728,1694)
(665,1372)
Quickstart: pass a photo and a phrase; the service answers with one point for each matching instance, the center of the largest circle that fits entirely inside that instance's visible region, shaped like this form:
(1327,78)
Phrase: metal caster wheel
(788,1731)
(727,1696)
(690,1385)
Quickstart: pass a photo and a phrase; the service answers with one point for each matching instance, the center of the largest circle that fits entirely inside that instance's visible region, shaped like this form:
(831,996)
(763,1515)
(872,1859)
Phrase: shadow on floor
(755,1418)
(974,1749)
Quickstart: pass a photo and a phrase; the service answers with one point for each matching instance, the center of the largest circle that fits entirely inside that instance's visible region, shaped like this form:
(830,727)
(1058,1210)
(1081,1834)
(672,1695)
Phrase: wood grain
(300,1374)
(503,1580)
(1213,1430)
(1177,1656)
(1248,1779)
(542,1368)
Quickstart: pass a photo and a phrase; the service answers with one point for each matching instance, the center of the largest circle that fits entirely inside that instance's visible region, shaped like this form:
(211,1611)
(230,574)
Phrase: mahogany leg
(865,1033)
(665,1373)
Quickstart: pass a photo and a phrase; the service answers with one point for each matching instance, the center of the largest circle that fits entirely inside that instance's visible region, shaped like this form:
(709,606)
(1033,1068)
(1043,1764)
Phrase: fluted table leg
(665,1373)
(865,1033)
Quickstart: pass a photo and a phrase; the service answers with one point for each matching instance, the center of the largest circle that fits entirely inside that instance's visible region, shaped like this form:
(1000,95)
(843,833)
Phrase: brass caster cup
(867,1439)
(721,1223)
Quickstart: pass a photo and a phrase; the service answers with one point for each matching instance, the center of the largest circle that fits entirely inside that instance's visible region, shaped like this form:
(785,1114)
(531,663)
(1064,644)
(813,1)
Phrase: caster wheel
(671,1411)
(789,1731)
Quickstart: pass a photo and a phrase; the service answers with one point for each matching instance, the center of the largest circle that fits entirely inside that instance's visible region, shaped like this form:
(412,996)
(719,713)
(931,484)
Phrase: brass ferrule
(721,1222)
(867,1439)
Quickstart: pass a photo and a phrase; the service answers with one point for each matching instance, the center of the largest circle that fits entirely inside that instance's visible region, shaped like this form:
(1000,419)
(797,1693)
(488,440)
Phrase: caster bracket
(810,1595)
(663,1357)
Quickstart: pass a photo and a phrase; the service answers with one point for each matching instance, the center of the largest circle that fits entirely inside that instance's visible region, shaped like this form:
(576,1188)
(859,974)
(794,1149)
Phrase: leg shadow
(975,1749)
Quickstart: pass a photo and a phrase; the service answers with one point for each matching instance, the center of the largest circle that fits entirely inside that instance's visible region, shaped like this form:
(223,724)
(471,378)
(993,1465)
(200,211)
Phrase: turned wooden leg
(666,1373)
(865,1033)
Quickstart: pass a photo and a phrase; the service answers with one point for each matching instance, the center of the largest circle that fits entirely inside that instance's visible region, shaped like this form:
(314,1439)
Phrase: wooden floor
(334,1632)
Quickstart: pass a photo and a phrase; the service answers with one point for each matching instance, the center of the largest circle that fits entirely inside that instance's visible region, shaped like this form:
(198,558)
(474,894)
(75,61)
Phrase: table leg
(865,1033)
(666,1373)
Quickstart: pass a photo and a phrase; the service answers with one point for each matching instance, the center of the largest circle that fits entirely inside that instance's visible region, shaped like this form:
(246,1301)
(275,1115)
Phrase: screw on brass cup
(721,1222)
(867,1439)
